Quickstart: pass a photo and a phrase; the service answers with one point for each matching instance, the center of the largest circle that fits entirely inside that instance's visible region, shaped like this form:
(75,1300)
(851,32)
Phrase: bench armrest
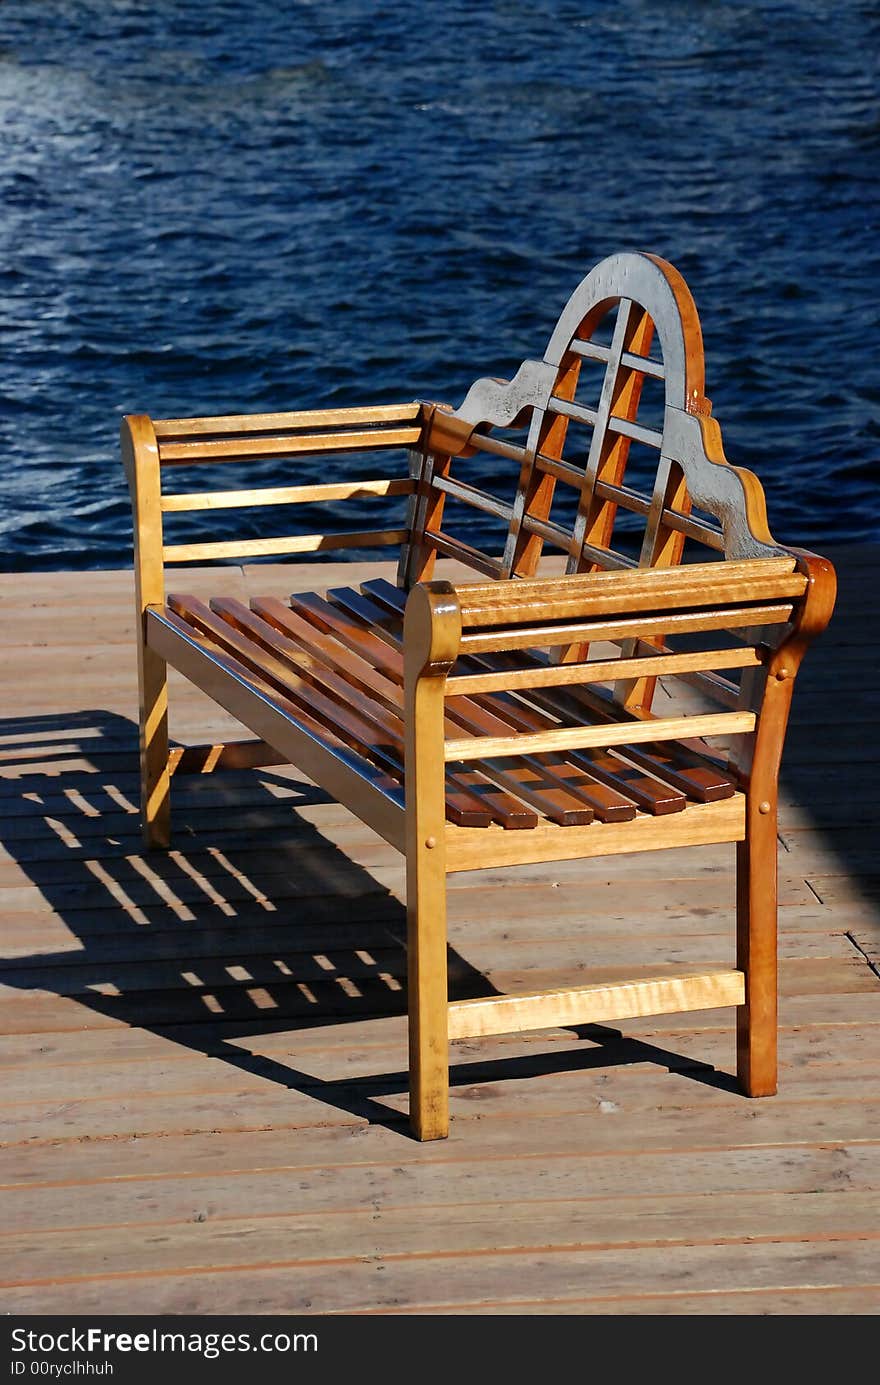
(579,596)
(490,632)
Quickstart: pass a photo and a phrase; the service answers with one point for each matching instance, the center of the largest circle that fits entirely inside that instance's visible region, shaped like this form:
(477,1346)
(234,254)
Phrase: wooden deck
(203,1052)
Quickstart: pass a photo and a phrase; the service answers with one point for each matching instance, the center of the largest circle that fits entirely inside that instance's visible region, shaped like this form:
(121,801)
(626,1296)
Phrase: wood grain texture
(508,1014)
(282,495)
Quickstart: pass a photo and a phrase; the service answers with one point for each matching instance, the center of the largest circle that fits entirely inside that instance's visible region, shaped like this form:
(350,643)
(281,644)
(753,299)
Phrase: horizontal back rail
(283,495)
(285,445)
(281,422)
(293,543)
(623,497)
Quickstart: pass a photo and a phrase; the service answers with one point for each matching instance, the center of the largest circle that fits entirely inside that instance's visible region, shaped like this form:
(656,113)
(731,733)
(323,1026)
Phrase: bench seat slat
(677,769)
(674,763)
(350,727)
(672,774)
(538,786)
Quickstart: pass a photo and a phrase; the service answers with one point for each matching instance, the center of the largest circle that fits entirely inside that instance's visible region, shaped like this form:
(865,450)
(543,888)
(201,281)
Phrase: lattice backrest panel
(610,454)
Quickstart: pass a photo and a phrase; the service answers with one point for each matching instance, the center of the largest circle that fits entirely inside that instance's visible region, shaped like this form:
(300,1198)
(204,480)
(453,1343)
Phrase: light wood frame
(488,631)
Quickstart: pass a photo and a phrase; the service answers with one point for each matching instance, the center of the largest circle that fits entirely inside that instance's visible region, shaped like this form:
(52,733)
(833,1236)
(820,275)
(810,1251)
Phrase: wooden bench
(520,706)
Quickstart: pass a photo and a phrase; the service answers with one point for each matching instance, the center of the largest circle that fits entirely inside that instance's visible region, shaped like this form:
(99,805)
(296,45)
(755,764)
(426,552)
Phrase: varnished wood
(471,799)
(701,825)
(488,603)
(279,422)
(578,738)
(534,493)
(294,444)
(601,670)
(132,1126)
(281,495)
(770,690)
(353,781)
(431,637)
(538,634)
(264,548)
(140,459)
(508,1014)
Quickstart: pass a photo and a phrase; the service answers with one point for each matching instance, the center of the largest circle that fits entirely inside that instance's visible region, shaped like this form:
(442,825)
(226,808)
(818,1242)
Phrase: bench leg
(155,777)
(427,990)
(756,1021)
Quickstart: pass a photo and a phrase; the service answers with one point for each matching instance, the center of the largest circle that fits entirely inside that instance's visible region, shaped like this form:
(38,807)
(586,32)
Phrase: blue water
(217,206)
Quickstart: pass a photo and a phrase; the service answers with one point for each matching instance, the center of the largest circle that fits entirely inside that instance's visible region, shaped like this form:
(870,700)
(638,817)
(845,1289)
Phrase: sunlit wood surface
(204,1052)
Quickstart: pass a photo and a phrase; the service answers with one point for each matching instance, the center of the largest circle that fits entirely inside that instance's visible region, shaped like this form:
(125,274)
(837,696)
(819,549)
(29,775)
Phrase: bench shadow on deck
(276,976)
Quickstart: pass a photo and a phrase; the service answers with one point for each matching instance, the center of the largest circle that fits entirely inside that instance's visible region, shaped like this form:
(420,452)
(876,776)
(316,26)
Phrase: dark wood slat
(375,617)
(524,775)
(672,770)
(672,763)
(511,812)
(351,632)
(321,645)
(367,611)
(498,715)
(611,782)
(648,793)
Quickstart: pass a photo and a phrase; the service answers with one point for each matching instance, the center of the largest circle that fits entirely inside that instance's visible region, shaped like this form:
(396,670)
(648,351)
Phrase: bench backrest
(611,424)
(613,421)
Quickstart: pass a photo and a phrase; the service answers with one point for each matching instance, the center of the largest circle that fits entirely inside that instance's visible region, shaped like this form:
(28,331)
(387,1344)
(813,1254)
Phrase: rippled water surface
(222,207)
